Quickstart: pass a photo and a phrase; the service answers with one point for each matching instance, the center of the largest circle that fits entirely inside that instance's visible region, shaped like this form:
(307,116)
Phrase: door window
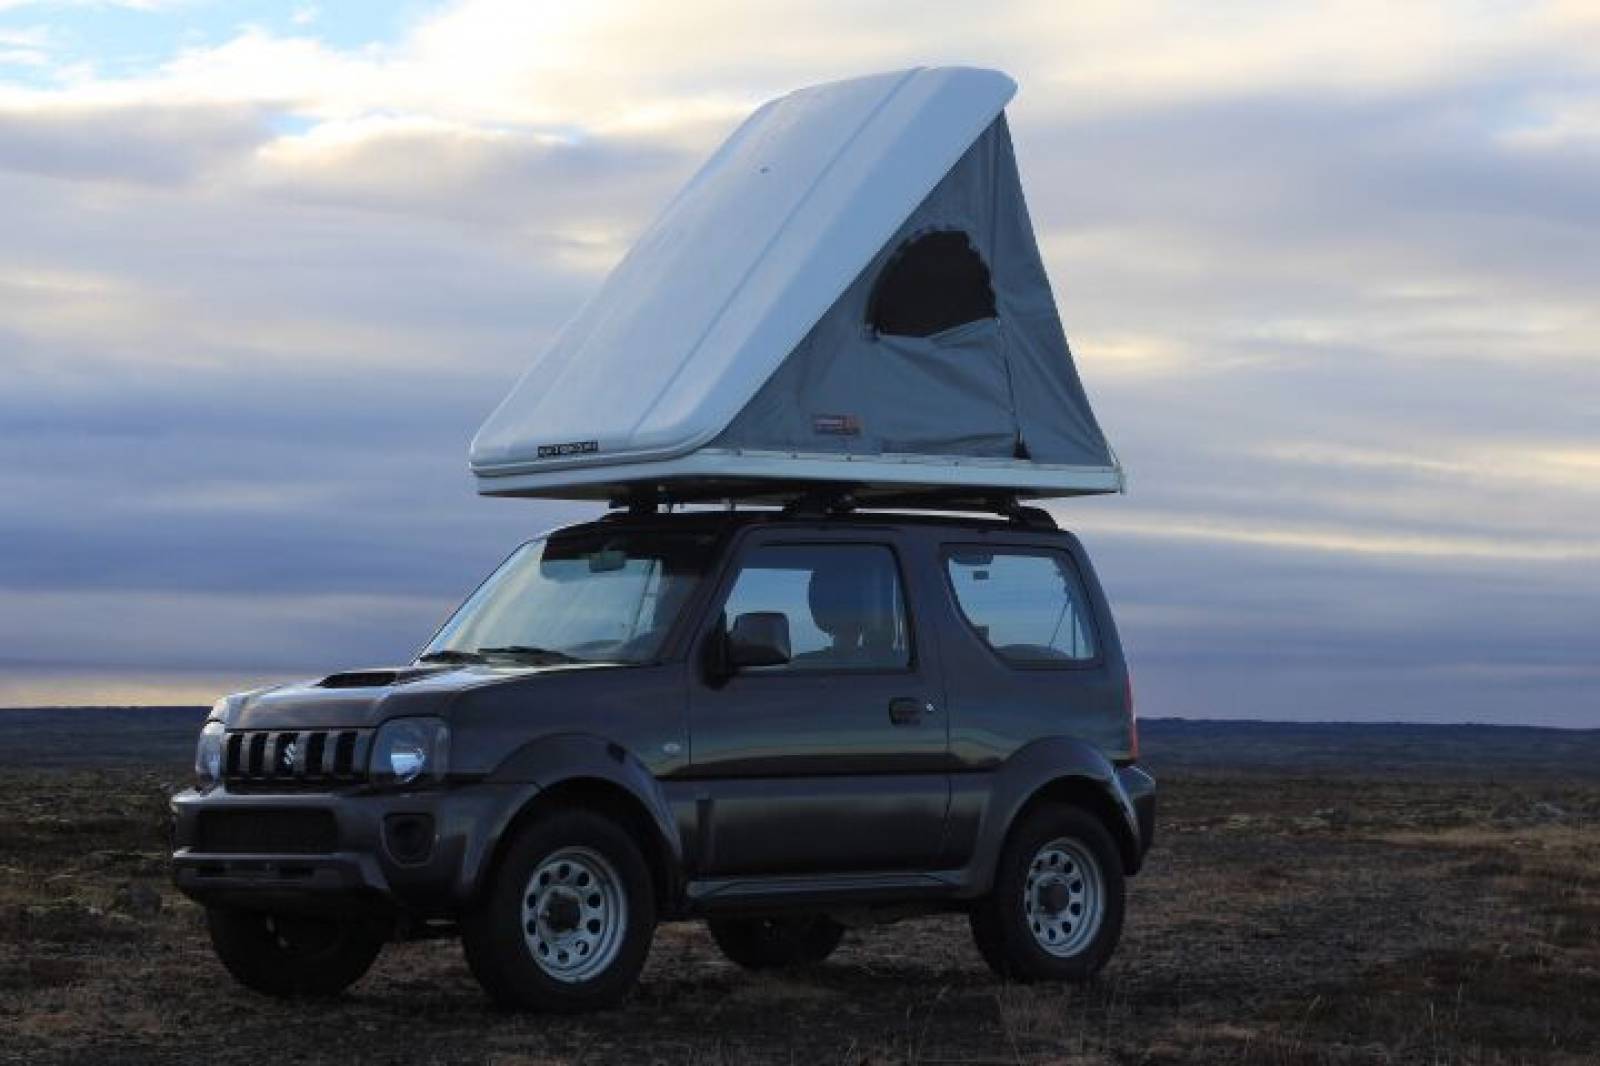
(1028,605)
(842,601)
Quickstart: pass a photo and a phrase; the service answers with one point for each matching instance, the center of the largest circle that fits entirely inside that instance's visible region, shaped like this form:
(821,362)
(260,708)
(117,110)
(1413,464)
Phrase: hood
(360,699)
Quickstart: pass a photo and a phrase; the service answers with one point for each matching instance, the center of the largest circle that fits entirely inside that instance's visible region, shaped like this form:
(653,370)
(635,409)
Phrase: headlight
(410,749)
(208,755)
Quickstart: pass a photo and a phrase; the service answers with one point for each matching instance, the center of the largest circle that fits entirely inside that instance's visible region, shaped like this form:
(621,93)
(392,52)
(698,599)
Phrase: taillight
(1133,722)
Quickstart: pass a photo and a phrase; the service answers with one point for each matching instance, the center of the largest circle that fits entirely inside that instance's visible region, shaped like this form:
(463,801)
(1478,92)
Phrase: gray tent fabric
(1002,387)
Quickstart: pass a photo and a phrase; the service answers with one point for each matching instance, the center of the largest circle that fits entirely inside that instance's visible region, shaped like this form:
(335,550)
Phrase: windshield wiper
(450,655)
(531,652)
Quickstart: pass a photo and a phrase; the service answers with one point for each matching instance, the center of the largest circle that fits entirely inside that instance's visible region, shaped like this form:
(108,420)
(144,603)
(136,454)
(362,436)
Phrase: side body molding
(574,759)
(1074,767)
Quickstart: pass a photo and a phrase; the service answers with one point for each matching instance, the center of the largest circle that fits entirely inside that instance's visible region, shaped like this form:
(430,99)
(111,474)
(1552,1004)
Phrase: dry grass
(1280,921)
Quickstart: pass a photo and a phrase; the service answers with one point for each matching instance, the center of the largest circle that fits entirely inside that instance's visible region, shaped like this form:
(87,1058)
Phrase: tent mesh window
(933,282)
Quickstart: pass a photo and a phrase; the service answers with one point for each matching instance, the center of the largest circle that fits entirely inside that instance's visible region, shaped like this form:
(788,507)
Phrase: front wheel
(773,943)
(291,955)
(1055,911)
(567,922)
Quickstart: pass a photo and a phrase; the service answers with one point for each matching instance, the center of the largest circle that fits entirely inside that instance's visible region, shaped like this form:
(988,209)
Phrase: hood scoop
(379,678)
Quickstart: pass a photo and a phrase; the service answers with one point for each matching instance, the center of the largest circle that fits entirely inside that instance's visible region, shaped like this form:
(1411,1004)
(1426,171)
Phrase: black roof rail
(1004,504)
(824,502)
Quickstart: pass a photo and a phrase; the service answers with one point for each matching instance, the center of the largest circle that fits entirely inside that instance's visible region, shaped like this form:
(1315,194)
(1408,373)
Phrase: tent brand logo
(578,447)
(836,425)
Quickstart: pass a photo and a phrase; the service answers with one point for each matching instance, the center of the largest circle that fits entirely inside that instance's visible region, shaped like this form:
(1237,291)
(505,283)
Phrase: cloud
(24,46)
(132,5)
(50,629)
(1392,544)
(1329,276)
(587,193)
(131,143)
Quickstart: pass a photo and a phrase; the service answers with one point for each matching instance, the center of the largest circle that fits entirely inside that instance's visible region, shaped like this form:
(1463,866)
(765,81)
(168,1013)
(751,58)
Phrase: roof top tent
(847,293)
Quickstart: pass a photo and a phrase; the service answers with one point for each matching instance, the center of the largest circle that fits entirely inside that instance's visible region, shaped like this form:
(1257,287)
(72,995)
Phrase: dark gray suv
(786,723)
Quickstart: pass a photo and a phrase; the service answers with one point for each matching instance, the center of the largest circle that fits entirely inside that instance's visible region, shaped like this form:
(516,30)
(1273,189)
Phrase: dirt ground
(1280,920)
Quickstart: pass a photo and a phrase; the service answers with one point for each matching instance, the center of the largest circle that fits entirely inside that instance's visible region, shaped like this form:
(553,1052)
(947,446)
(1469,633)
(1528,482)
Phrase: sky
(1330,273)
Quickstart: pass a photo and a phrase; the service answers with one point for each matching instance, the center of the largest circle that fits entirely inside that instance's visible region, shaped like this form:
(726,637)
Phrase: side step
(804,890)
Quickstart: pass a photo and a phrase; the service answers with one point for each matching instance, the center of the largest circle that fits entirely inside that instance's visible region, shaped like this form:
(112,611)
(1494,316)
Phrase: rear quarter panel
(997,709)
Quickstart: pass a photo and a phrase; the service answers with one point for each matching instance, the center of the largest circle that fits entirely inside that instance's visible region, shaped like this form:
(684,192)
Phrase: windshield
(589,595)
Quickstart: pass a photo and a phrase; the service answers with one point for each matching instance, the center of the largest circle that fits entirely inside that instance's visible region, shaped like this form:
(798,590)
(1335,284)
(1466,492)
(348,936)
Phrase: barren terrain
(1316,894)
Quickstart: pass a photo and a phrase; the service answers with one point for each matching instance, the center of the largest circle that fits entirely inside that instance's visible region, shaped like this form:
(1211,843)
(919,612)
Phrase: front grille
(266,833)
(273,760)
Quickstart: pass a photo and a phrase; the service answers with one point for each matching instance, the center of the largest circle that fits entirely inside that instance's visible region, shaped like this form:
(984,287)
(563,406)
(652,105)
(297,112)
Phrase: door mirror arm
(714,659)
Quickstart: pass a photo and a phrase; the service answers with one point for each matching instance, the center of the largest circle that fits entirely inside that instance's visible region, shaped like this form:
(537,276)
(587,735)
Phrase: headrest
(839,600)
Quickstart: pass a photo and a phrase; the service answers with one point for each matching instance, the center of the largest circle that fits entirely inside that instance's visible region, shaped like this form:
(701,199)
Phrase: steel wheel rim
(1063,897)
(574,914)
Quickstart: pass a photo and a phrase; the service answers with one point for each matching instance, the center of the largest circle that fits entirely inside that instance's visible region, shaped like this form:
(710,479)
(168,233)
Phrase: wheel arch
(591,773)
(1093,797)
(1054,770)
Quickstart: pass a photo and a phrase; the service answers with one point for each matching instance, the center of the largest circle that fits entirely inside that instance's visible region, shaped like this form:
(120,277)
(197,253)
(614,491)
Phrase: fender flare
(547,763)
(1053,763)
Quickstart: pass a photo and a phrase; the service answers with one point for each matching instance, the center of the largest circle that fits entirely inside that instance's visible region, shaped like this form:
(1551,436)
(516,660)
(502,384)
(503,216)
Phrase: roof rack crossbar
(824,499)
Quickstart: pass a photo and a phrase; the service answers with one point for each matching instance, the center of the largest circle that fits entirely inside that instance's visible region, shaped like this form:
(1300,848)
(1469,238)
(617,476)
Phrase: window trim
(950,548)
(719,603)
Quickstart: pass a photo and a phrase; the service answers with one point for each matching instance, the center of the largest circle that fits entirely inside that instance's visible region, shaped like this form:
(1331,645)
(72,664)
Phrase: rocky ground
(1283,918)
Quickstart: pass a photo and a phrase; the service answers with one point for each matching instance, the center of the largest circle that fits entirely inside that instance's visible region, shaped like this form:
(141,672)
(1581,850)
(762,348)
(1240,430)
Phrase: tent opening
(933,282)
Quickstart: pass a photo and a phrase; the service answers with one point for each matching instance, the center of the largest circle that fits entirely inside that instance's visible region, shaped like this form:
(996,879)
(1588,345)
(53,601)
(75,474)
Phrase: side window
(1028,605)
(842,601)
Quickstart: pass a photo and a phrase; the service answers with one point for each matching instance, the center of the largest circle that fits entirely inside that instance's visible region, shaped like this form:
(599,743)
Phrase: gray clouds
(1338,319)
(147,144)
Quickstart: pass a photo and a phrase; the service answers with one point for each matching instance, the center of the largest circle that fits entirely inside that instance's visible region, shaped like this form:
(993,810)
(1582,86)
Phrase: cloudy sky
(1331,272)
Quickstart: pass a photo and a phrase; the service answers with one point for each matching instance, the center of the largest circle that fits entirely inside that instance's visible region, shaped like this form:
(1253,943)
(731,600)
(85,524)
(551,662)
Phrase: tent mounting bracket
(640,500)
(821,502)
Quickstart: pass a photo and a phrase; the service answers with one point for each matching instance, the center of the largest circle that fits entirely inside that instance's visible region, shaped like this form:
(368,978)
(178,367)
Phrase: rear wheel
(1055,911)
(772,943)
(567,923)
(292,955)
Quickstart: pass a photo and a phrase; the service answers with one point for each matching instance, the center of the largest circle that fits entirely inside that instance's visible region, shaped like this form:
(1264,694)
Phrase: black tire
(292,955)
(1002,924)
(774,943)
(496,933)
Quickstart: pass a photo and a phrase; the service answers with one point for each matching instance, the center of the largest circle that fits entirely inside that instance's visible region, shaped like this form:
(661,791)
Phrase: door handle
(907,710)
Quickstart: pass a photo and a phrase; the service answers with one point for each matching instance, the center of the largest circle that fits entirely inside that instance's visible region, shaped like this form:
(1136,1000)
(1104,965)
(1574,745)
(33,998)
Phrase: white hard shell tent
(848,292)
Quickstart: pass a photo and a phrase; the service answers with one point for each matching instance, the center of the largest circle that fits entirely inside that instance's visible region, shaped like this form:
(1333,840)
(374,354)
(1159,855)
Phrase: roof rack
(824,503)
(812,500)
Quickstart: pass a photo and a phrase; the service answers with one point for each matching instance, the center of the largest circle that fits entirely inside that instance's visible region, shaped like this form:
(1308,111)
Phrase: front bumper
(419,854)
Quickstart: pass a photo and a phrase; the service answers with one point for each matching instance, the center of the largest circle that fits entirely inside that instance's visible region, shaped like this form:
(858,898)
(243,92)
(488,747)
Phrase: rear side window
(1026,604)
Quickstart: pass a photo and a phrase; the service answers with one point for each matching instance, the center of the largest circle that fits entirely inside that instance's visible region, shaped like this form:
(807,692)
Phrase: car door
(834,761)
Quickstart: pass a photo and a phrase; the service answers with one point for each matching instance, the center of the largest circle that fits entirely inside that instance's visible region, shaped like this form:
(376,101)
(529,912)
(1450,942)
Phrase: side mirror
(758,638)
